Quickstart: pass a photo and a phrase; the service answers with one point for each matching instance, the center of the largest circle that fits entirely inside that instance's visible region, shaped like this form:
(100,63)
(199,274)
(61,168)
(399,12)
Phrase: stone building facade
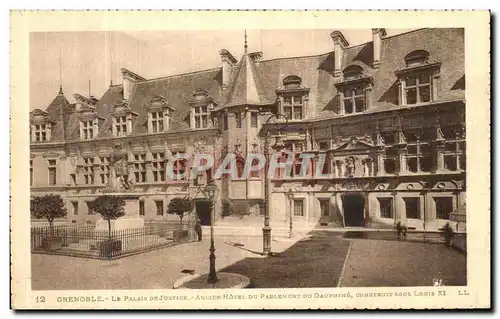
(387,116)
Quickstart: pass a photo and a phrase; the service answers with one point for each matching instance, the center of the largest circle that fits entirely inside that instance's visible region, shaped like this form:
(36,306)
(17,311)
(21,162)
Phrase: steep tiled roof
(245,87)
(255,82)
(177,90)
(56,108)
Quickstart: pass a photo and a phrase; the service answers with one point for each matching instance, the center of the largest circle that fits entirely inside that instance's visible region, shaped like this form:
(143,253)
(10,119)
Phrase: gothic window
(419,154)
(120,125)
(158,164)
(52,172)
(104,168)
(418,80)
(88,170)
(140,167)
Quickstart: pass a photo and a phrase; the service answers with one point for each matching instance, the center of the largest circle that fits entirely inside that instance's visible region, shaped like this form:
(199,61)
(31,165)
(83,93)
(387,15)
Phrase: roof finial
(246,45)
(60,90)
(111,82)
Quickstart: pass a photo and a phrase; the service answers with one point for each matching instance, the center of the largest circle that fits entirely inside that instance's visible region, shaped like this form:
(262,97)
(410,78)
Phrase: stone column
(380,163)
(439,155)
(402,161)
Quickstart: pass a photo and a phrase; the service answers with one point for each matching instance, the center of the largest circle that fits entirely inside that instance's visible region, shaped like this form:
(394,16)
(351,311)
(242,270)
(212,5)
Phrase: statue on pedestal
(119,173)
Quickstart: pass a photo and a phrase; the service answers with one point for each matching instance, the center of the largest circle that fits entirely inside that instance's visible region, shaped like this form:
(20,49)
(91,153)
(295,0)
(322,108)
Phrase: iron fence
(84,240)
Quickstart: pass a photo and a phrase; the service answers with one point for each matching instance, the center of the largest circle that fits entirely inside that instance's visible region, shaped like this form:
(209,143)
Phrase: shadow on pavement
(317,262)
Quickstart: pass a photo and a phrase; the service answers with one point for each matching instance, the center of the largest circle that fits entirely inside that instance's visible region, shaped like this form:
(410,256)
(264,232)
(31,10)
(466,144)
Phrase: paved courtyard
(326,260)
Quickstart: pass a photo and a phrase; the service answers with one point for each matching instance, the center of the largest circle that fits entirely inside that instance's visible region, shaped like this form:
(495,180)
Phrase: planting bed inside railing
(180,235)
(110,247)
(52,243)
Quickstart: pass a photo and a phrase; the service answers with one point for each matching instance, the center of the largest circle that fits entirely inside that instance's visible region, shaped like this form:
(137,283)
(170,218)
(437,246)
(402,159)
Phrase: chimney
(228,61)
(340,43)
(378,35)
(129,80)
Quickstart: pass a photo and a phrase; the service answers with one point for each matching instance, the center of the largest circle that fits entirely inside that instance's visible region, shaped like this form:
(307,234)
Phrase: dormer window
(159,114)
(89,120)
(41,132)
(354,90)
(418,80)
(354,100)
(292,97)
(122,119)
(201,116)
(120,126)
(41,126)
(201,106)
(87,129)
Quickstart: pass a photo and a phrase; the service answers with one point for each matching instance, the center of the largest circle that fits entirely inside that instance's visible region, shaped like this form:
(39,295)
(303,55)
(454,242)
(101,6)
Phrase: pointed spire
(246,43)
(60,90)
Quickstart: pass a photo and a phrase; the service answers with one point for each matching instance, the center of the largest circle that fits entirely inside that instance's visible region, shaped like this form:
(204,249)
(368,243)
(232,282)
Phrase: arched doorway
(354,209)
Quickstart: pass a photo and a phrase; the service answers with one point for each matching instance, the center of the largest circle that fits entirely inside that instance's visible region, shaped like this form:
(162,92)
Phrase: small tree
(180,207)
(109,207)
(49,207)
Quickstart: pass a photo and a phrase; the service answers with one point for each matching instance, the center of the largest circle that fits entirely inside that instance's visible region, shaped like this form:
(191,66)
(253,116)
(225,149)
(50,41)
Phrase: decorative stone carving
(350,165)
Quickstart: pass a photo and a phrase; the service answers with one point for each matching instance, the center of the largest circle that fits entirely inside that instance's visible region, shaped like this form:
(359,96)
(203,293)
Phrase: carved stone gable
(355,144)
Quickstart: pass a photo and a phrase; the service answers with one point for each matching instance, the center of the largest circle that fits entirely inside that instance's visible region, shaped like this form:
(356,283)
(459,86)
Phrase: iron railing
(84,240)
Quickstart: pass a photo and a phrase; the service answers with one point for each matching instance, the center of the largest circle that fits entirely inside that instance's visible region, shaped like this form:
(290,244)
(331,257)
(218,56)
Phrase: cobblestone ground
(314,263)
(373,263)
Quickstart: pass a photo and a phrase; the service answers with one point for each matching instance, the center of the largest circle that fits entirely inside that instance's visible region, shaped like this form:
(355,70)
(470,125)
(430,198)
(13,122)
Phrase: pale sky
(74,58)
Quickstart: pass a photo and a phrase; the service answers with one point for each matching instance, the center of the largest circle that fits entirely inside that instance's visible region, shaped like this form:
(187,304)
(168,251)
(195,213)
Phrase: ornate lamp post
(278,146)
(210,191)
